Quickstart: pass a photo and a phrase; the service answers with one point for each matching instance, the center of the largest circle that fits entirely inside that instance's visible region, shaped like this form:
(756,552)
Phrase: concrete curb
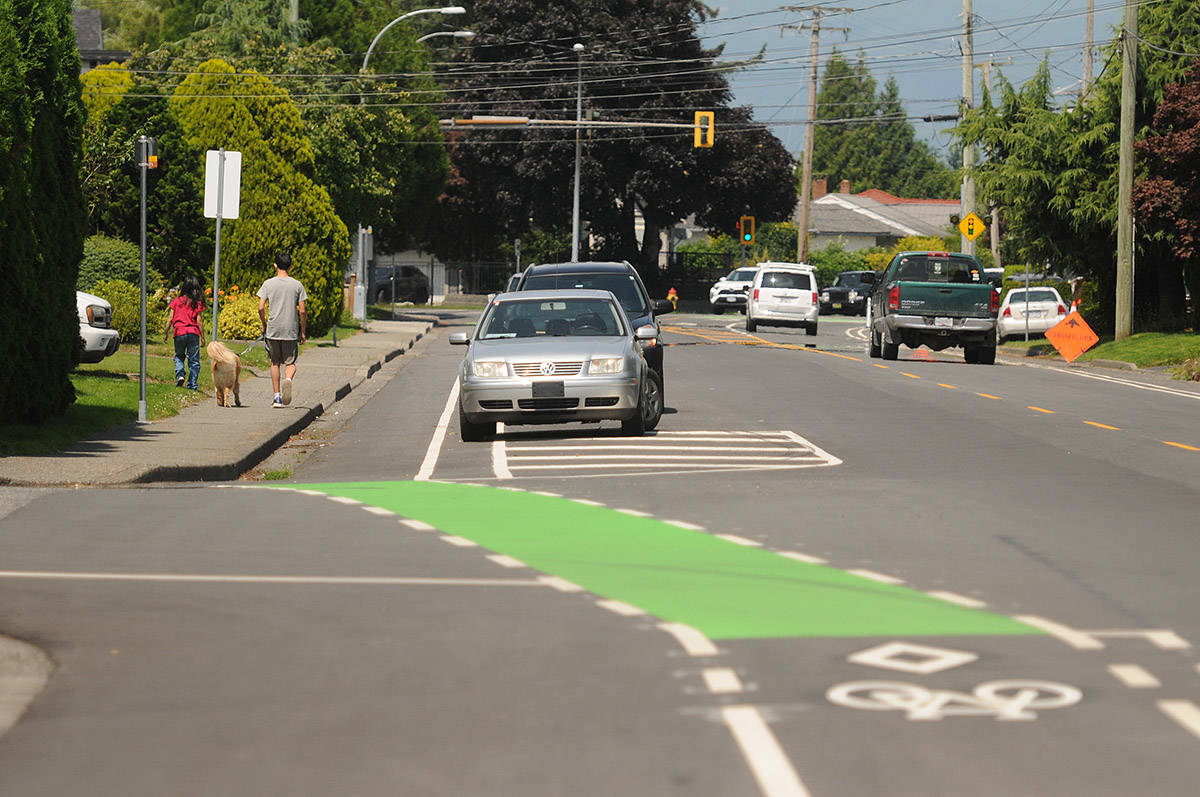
(24,672)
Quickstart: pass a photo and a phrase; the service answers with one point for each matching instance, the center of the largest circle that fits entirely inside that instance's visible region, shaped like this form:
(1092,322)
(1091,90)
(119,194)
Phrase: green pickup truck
(934,299)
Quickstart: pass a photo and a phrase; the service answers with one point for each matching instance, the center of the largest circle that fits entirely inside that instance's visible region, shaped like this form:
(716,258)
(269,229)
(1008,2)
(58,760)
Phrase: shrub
(106,258)
(1188,370)
(238,315)
(125,298)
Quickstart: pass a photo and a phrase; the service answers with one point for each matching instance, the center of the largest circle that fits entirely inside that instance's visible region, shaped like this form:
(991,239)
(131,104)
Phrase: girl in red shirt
(183,319)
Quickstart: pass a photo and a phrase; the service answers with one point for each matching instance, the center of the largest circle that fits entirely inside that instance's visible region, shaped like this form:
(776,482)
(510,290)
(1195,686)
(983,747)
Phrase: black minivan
(621,278)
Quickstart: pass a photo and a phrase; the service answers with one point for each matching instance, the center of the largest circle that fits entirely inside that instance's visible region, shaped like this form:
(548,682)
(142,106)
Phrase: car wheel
(718,309)
(874,347)
(971,354)
(652,400)
(890,351)
(987,355)
(474,432)
(750,325)
(812,328)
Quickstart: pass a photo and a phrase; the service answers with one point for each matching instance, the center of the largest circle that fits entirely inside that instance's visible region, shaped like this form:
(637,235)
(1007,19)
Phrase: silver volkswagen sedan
(554,357)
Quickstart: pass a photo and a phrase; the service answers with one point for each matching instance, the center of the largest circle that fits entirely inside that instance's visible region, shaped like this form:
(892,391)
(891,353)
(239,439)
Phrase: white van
(783,295)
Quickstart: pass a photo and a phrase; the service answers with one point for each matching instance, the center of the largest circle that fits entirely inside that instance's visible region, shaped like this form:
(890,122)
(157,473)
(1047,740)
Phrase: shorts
(282,352)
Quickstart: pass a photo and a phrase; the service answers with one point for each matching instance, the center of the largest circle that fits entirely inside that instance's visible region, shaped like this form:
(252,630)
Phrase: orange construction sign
(1072,336)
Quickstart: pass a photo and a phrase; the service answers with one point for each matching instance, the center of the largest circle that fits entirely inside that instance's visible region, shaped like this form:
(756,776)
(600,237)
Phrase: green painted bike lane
(724,590)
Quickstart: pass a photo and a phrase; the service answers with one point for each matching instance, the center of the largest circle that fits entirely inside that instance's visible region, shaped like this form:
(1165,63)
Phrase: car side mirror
(459,338)
(647,332)
(663,306)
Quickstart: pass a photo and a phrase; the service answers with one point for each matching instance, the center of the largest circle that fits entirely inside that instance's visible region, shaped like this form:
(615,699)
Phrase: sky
(917,41)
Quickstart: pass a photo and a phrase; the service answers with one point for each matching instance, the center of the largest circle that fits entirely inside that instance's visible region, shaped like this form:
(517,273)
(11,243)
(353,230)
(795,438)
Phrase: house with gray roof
(873,217)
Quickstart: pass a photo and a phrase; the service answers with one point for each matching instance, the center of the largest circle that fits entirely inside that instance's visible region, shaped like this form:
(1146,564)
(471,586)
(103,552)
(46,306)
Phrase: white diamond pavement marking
(913,658)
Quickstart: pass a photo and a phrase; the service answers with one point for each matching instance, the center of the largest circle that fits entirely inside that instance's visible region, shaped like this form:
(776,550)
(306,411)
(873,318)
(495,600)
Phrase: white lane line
(633,512)
(954,597)
(621,608)
(683,524)
(261,579)
(820,452)
(692,641)
(770,766)
(782,455)
(378,510)
(499,456)
(803,557)
(1134,676)
(547,494)
(310,492)
(722,681)
(736,540)
(1080,640)
(439,436)
(560,584)
(793,463)
(459,542)
(417,525)
(506,561)
(1161,638)
(880,577)
(585,501)
(341,499)
(1183,712)
(1132,383)
(721,433)
(643,447)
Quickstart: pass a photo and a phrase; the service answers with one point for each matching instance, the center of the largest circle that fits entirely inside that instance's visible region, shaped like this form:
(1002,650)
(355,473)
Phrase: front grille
(560,369)
(548,403)
(496,404)
(603,401)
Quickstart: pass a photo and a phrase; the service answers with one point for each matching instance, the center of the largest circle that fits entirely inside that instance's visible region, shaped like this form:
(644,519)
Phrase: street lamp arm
(401,18)
(457,34)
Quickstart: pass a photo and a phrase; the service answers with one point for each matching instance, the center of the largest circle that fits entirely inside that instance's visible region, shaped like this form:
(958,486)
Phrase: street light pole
(447,11)
(457,34)
(578,48)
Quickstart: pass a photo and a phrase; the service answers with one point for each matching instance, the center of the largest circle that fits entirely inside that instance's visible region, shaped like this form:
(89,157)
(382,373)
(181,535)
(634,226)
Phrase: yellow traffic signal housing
(705,129)
(746,227)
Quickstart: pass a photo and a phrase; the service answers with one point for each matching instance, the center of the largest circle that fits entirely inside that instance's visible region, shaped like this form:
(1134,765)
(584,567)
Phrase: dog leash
(261,339)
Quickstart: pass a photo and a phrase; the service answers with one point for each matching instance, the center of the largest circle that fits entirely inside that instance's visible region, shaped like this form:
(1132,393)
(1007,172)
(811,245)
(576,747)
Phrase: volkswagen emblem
(547,368)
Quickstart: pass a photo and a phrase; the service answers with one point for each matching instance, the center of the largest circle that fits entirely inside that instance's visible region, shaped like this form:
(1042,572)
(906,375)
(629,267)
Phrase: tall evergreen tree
(43,219)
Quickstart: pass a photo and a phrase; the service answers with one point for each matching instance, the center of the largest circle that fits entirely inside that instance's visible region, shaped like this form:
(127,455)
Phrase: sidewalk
(205,442)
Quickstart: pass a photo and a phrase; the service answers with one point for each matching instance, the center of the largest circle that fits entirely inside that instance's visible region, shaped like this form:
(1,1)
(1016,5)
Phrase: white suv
(730,290)
(783,295)
(95,322)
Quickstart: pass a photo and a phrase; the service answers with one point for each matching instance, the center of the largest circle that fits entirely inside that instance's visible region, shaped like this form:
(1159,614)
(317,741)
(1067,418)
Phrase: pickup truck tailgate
(955,300)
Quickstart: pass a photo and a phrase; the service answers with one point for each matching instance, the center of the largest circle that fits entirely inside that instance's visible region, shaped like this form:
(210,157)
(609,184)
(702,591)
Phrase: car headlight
(853,296)
(607,365)
(825,296)
(490,369)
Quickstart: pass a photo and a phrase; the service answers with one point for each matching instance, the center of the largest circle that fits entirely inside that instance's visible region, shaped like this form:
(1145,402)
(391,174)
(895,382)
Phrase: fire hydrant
(673,298)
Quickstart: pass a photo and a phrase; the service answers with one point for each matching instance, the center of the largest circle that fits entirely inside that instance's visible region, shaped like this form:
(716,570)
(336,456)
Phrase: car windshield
(786,279)
(848,281)
(931,268)
(623,286)
(551,317)
(742,275)
(1034,296)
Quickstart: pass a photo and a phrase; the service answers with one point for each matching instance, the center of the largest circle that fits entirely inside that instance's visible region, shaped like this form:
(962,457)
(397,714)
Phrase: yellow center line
(1040,409)
(988,395)
(877,365)
(910,376)
(1184,446)
(1103,426)
(948,387)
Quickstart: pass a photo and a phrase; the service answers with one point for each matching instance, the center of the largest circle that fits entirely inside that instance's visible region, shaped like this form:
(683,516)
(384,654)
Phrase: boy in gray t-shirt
(285,328)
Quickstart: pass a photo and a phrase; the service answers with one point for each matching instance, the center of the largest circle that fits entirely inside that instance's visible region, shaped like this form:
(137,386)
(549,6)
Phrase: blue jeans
(188,346)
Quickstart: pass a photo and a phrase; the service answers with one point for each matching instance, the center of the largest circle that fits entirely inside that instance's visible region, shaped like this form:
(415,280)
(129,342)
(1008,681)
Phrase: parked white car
(783,295)
(1045,308)
(730,290)
(95,327)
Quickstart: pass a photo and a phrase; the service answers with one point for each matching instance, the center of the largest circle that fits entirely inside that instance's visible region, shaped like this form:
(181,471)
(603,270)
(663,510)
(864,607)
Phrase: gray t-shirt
(282,295)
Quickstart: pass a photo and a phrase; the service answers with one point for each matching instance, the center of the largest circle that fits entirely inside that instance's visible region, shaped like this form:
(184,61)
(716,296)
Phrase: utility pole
(967,196)
(994,230)
(1089,36)
(1125,243)
(294,13)
(578,48)
(810,125)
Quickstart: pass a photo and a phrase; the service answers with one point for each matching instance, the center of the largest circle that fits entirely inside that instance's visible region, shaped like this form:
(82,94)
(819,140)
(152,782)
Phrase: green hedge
(106,258)
(125,298)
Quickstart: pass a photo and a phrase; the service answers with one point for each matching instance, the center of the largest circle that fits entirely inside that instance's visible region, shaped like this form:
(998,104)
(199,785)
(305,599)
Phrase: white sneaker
(278,402)
(286,387)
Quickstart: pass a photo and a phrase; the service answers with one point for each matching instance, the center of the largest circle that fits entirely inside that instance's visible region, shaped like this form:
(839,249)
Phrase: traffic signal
(705,129)
(746,227)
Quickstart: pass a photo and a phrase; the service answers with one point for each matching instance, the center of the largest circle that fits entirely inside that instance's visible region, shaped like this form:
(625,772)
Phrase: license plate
(548,390)
(943,322)
(786,298)
(837,306)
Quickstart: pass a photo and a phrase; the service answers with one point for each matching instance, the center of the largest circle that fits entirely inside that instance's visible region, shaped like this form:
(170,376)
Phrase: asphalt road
(820,575)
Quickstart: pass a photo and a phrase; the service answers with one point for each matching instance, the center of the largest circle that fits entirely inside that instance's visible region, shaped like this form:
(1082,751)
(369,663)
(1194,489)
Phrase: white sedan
(1043,308)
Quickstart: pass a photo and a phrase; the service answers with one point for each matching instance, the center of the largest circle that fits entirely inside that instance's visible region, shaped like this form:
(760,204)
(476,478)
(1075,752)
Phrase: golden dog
(226,373)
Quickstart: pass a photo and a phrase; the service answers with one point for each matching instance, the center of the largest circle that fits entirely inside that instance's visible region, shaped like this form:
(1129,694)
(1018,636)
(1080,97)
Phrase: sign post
(147,158)
(222,196)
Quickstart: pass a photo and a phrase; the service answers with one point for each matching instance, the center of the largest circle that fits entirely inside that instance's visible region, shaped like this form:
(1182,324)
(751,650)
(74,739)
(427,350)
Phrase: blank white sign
(232,186)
